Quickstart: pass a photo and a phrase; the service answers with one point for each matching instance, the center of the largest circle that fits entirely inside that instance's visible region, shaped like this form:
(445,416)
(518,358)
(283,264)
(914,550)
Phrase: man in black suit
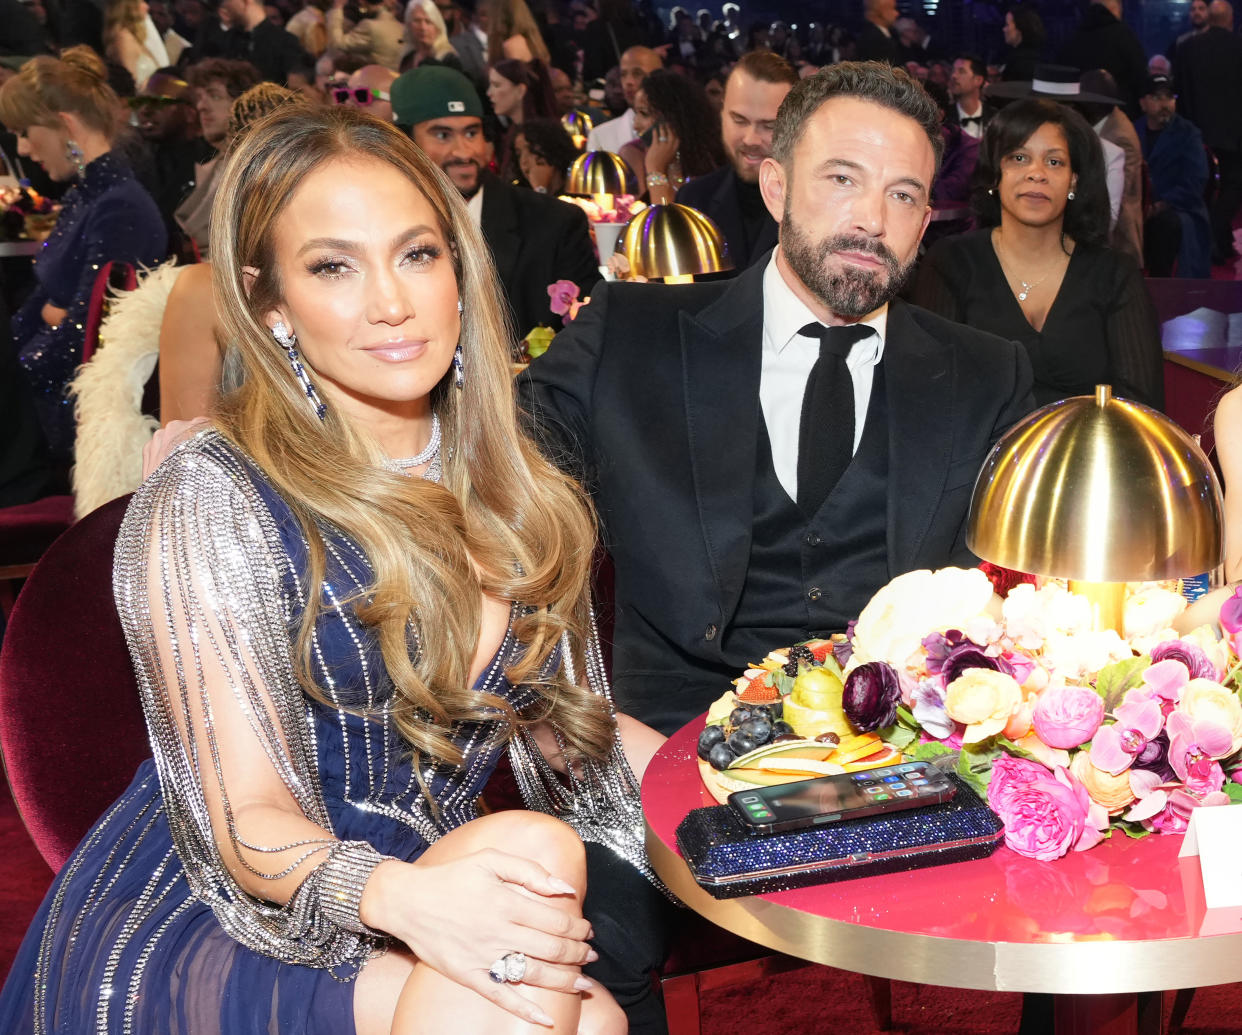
(730,196)
(705,419)
(251,36)
(969,110)
(535,240)
(876,40)
(689,411)
(1208,72)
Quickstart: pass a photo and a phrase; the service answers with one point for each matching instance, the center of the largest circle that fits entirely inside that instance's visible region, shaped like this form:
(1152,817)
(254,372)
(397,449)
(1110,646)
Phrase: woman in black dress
(1038,270)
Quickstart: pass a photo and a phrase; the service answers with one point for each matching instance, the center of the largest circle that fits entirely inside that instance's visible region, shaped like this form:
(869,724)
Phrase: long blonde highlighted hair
(125,14)
(501,506)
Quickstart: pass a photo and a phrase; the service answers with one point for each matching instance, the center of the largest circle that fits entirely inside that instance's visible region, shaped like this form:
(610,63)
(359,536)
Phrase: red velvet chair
(71,725)
(30,528)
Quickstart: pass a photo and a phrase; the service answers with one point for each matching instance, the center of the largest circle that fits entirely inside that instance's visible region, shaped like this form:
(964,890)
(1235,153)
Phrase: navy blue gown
(107,217)
(143,931)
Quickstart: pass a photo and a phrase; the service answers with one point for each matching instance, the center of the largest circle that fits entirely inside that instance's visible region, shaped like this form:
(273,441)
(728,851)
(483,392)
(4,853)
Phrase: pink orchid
(563,295)
(1115,747)
(1167,678)
(1166,807)
(1194,746)
(1231,620)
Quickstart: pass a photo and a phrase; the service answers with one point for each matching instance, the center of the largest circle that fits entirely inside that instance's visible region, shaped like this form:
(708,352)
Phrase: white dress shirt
(973,129)
(474,208)
(786,363)
(613,134)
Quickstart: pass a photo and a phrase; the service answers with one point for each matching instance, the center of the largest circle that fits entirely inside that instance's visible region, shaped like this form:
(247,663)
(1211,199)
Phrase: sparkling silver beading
(429,455)
(341,882)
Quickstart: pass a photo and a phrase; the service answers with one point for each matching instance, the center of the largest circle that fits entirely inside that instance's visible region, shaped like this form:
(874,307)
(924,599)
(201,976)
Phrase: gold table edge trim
(1068,968)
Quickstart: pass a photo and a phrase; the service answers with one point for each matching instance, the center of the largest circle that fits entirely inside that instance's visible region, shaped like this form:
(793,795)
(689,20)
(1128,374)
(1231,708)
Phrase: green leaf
(1234,790)
(1131,830)
(932,749)
(782,682)
(897,736)
(974,765)
(1115,679)
(906,718)
(1010,748)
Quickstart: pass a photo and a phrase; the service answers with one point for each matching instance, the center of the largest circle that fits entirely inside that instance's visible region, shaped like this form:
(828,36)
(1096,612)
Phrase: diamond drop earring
(286,340)
(459,375)
(75,155)
(1069,196)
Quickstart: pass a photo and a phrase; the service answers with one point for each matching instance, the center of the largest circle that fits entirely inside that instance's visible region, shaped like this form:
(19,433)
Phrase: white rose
(892,625)
(1032,615)
(1082,655)
(1150,611)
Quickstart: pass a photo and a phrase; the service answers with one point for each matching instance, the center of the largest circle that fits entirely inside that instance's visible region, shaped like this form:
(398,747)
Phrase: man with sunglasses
(369,89)
(165,115)
(535,240)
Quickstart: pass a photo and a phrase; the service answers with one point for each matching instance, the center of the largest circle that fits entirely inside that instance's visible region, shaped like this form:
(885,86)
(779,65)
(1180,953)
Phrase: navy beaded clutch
(728,861)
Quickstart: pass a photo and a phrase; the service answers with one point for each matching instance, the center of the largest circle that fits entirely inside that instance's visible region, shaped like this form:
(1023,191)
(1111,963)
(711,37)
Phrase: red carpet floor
(812,1000)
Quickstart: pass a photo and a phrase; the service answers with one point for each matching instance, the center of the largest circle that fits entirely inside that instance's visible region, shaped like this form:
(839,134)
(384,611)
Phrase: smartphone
(833,799)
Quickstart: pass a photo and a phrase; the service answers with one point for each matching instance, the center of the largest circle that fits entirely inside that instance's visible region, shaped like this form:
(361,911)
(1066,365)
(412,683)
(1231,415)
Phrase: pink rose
(1066,716)
(1046,817)
(1010,772)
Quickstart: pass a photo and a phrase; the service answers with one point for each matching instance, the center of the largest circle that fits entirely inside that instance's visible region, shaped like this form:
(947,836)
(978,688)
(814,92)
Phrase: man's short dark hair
(976,64)
(873,81)
(237,76)
(767,67)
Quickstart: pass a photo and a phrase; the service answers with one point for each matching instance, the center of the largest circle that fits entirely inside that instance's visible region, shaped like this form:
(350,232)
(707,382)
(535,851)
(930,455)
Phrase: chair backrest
(119,276)
(71,724)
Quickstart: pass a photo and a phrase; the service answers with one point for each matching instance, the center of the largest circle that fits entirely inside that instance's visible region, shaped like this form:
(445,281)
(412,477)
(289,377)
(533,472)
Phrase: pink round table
(1094,928)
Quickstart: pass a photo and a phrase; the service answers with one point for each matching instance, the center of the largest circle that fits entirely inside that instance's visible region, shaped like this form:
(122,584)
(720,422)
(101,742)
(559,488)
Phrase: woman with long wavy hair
(131,39)
(344,601)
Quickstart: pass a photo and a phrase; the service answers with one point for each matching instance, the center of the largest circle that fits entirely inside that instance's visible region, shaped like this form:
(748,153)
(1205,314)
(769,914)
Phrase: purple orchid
(928,707)
(951,653)
(1231,612)
(1114,748)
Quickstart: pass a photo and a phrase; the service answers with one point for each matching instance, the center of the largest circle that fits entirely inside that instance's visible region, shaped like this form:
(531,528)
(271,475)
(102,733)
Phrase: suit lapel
(728,213)
(922,401)
(500,227)
(721,356)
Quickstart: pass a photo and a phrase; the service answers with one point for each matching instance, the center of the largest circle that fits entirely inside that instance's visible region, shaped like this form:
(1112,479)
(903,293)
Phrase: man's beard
(852,292)
(465,192)
(746,172)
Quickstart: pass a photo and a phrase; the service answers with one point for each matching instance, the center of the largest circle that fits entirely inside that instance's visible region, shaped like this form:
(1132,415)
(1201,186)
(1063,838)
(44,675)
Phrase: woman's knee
(552,843)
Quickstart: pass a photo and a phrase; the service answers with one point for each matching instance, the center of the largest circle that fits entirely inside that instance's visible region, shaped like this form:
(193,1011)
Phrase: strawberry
(758,692)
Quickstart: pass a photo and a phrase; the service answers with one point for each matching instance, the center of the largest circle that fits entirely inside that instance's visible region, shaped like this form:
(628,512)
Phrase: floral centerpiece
(564,302)
(1072,733)
(607,214)
(25,214)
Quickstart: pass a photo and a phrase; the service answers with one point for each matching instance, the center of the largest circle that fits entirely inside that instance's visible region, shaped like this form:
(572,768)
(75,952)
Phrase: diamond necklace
(430,456)
(1027,286)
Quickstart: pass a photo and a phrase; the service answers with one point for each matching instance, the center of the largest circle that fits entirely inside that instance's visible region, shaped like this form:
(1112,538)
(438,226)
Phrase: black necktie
(826,431)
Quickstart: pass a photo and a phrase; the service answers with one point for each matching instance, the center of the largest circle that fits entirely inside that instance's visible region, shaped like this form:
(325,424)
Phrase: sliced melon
(790,748)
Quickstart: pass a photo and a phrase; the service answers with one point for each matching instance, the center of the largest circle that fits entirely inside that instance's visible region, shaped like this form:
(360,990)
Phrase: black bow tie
(968,119)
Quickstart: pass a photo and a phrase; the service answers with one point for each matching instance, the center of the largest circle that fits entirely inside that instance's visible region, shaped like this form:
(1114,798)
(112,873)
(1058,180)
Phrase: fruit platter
(783,720)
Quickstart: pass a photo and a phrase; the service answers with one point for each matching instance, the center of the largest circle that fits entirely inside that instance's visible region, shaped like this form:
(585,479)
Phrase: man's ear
(772,187)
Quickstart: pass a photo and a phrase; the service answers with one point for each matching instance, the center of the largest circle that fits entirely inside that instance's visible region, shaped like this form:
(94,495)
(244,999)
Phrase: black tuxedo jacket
(536,240)
(872,45)
(715,195)
(654,393)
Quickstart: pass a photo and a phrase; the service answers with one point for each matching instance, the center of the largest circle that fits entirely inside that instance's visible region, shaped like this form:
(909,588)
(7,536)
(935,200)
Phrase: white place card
(1215,836)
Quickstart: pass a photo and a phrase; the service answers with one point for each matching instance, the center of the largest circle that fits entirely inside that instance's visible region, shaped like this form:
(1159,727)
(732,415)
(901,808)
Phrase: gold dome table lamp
(1100,491)
(578,124)
(600,174)
(673,243)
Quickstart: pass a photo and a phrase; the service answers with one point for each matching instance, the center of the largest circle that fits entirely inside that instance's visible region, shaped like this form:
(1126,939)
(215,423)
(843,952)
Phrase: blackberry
(796,655)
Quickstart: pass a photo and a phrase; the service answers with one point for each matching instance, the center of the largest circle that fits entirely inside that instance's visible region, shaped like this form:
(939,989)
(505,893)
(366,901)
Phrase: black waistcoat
(811,576)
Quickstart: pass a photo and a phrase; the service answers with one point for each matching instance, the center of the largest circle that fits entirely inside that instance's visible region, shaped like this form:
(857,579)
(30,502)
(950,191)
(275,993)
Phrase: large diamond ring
(511,967)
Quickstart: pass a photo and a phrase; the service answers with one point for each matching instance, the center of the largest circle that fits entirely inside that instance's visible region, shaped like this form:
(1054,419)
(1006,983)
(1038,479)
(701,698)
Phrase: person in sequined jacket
(65,116)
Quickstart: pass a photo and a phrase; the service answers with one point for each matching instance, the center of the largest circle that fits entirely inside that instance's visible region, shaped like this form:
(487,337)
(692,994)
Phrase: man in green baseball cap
(440,110)
(535,240)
